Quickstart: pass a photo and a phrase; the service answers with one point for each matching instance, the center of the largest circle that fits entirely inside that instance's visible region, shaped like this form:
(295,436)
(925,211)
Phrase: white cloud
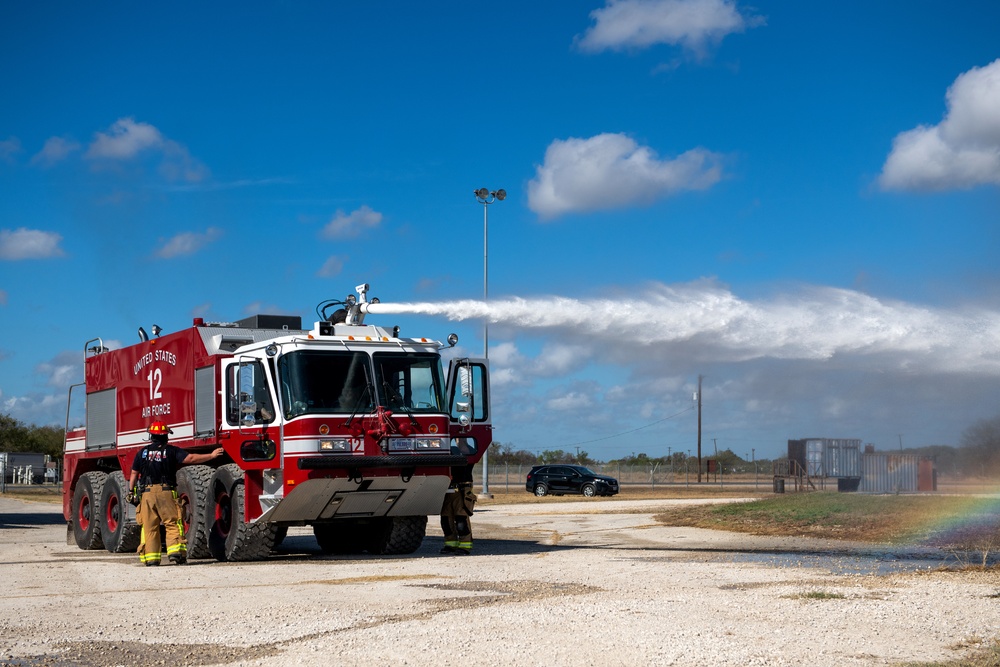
(691,24)
(127,140)
(612,171)
(558,359)
(331,267)
(40,409)
(25,243)
(508,367)
(349,225)
(56,149)
(178,165)
(9,148)
(187,243)
(124,140)
(571,401)
(963,150)
(63,370)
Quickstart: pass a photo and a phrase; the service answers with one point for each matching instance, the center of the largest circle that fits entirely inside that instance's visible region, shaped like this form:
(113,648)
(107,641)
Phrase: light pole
(487,197)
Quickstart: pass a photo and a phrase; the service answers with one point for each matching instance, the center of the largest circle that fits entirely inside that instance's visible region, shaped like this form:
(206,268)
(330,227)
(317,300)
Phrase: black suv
(560,479)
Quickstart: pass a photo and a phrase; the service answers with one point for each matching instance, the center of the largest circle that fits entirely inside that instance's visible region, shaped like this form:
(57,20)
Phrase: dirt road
(573,583)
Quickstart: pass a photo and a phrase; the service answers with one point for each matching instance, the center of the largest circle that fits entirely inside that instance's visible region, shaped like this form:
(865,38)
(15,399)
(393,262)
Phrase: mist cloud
(705,321)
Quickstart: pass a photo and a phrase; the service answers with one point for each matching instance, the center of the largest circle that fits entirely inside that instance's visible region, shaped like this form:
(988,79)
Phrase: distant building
(813,461)
(828,458)
(23,467)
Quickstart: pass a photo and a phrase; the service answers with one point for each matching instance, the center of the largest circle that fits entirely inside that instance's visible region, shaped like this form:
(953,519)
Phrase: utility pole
(699,429)
(715,448)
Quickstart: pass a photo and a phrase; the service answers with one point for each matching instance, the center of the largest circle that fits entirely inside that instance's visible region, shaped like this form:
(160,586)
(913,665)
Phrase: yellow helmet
(159,428)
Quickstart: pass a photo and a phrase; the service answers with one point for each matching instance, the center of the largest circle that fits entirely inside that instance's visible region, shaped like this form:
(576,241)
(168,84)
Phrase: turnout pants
(456,511)
(157,507)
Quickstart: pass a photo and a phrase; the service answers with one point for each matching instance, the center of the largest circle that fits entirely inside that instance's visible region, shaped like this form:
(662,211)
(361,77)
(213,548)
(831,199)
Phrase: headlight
(432,443)
(339,445)
(419,444)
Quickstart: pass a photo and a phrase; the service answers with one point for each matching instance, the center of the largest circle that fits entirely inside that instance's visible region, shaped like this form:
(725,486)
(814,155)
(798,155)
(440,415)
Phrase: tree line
(977,454)
(16,436)
(505,453)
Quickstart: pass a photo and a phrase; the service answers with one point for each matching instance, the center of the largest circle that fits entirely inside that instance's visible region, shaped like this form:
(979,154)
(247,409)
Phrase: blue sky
(797,201)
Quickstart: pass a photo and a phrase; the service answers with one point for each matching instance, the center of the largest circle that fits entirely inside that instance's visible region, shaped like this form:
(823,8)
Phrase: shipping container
(827,457)
(896,473)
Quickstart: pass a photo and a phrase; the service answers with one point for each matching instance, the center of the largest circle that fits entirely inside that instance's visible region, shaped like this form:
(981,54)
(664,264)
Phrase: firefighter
(456,512)
(156,467)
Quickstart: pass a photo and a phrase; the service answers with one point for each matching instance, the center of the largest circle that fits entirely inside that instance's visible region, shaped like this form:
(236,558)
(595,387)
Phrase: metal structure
(897,473)
(812,462)
(486,197)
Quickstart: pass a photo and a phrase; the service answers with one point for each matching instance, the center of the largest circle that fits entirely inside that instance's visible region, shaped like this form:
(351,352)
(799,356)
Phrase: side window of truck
(247,393)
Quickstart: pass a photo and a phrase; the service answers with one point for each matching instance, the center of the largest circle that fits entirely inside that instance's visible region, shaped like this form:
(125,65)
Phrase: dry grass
(845,516)
(980,654)
(47,493)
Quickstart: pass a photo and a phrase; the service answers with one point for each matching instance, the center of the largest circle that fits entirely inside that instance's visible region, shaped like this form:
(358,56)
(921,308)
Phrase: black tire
(192,494)
(119,531)
(541,490)
(589,490)
(230,538)
(397,535)
(86,510)
(279,536)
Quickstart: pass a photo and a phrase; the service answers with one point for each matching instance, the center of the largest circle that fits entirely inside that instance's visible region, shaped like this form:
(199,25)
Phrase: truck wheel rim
(113,514)
(83,515)
(224,513)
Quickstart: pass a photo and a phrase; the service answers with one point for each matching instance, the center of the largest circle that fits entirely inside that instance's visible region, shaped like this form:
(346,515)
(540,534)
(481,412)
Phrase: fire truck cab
(346,427)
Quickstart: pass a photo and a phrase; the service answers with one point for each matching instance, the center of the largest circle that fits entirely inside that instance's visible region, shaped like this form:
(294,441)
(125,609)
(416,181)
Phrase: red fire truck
(347,427)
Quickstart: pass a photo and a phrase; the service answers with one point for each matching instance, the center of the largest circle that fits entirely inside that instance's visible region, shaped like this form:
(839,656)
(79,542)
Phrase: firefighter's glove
(132,498)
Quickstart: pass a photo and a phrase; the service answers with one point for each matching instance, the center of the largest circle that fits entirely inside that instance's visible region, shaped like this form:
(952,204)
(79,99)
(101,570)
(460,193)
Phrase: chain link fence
(509,478)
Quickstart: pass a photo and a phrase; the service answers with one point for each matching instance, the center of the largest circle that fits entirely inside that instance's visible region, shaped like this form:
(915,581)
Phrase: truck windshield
(409,381)
(314,381)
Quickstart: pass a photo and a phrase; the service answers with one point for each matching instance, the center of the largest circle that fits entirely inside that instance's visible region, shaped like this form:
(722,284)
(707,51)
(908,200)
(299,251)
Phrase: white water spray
(817,323)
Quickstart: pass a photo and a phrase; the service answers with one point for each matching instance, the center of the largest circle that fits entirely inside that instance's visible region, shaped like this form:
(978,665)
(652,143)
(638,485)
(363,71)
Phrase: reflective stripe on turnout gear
(153,557)
(158,506)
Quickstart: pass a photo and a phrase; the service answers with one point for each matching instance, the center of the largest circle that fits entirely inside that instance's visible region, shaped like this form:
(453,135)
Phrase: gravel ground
(574,583)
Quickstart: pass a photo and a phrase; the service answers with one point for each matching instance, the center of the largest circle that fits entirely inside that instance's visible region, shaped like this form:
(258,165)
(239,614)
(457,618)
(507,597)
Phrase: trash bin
(779,485)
